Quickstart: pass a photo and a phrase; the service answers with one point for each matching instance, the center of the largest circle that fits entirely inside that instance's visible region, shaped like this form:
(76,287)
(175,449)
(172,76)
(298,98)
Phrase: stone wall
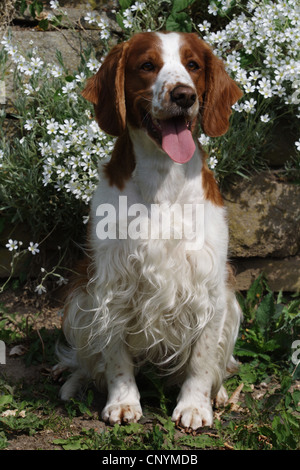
(264,225)
(263,211)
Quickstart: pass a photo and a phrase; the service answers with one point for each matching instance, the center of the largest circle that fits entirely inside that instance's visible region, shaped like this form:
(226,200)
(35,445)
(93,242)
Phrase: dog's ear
(106,91)
(221,92)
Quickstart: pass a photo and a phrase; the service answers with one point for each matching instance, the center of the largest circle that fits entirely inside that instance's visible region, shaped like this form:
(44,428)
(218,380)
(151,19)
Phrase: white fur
(152,299)
(171,74)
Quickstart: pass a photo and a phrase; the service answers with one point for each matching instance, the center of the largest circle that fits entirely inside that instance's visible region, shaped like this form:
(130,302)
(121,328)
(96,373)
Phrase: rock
(69,43)
(264,217)
(281,274)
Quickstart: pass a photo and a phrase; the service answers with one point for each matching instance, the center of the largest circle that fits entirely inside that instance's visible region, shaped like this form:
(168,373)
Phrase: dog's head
(163,83)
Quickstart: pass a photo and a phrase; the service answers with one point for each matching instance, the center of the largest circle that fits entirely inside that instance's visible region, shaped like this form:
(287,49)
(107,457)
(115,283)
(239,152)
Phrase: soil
(39,314)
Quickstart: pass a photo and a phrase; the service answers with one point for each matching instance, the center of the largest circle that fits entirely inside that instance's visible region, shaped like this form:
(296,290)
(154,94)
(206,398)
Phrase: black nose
(184,96)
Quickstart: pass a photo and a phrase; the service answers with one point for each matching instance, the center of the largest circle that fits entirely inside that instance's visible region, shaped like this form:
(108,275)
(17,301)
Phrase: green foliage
(180,20)
(272,421)
(271,325)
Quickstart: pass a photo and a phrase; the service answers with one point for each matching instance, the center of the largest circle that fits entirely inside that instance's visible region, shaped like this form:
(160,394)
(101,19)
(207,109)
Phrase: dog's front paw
(192,417)
(122,413)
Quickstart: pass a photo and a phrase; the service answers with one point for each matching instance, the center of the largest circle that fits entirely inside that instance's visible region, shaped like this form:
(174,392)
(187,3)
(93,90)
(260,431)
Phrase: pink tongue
(177,140)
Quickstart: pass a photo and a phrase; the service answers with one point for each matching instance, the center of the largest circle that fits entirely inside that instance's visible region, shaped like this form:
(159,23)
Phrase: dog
(163,298)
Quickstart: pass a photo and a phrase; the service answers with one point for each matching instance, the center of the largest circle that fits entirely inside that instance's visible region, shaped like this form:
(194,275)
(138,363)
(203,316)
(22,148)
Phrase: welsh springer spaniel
(160,297)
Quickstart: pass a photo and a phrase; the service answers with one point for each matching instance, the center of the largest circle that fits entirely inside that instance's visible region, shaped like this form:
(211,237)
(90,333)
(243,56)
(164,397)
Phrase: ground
(34,418)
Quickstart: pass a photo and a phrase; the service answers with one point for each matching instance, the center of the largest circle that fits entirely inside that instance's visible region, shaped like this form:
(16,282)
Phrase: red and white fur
(156,300)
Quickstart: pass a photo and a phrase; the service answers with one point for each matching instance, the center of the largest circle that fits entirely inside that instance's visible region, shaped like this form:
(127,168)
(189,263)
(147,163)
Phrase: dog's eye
(192,65)
(147,66)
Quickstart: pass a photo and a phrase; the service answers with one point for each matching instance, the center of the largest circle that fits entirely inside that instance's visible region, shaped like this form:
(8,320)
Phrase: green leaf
(120,19)
(23,7)
(4,399)
(248,373)
(124,4)
(38,6)
(32,10)
(200,442)
(179,22)
(43,24)
(179,5)
(255,291)
(74,443)
(265,311)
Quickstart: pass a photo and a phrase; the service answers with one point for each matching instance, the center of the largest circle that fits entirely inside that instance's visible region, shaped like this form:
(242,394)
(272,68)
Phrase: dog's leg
(206,370)
(194,407)
(123,402)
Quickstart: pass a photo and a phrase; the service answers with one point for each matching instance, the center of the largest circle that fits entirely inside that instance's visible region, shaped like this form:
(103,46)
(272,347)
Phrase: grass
(264,416)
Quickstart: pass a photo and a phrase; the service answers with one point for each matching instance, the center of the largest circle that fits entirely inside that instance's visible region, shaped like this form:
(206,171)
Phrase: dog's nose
(184,96)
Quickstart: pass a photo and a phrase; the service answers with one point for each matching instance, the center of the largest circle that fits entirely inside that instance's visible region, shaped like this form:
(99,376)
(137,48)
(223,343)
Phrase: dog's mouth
(174,135)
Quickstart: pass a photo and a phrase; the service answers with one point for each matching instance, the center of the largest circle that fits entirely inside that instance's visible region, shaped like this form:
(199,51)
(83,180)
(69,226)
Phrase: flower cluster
(260,47)
(92,17)
(70,149)
(71,156)
(129,14)
(267,35)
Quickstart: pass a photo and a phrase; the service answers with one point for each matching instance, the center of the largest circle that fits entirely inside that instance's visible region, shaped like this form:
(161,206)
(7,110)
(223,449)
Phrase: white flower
(298,145)
(55,70)
(249,105)
(21,64)
(212,162)
(40,289)
(33,248)
(105,34)
(265,118)
(204,26)
(68,87)
(239,107)
(248,88)
(36,62)
(59,185)
(93,64)
(204,139)
(28,69)
(138,6)
(12,245)
(255,75)
(45,148)
(265,87)
(128,23)
(80,77)
(127,13)
(67,127)
(213,9)
(61,171)
(29,124)
(52,126)
(91,17)
(61,281)
(28,89)
(54,4)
